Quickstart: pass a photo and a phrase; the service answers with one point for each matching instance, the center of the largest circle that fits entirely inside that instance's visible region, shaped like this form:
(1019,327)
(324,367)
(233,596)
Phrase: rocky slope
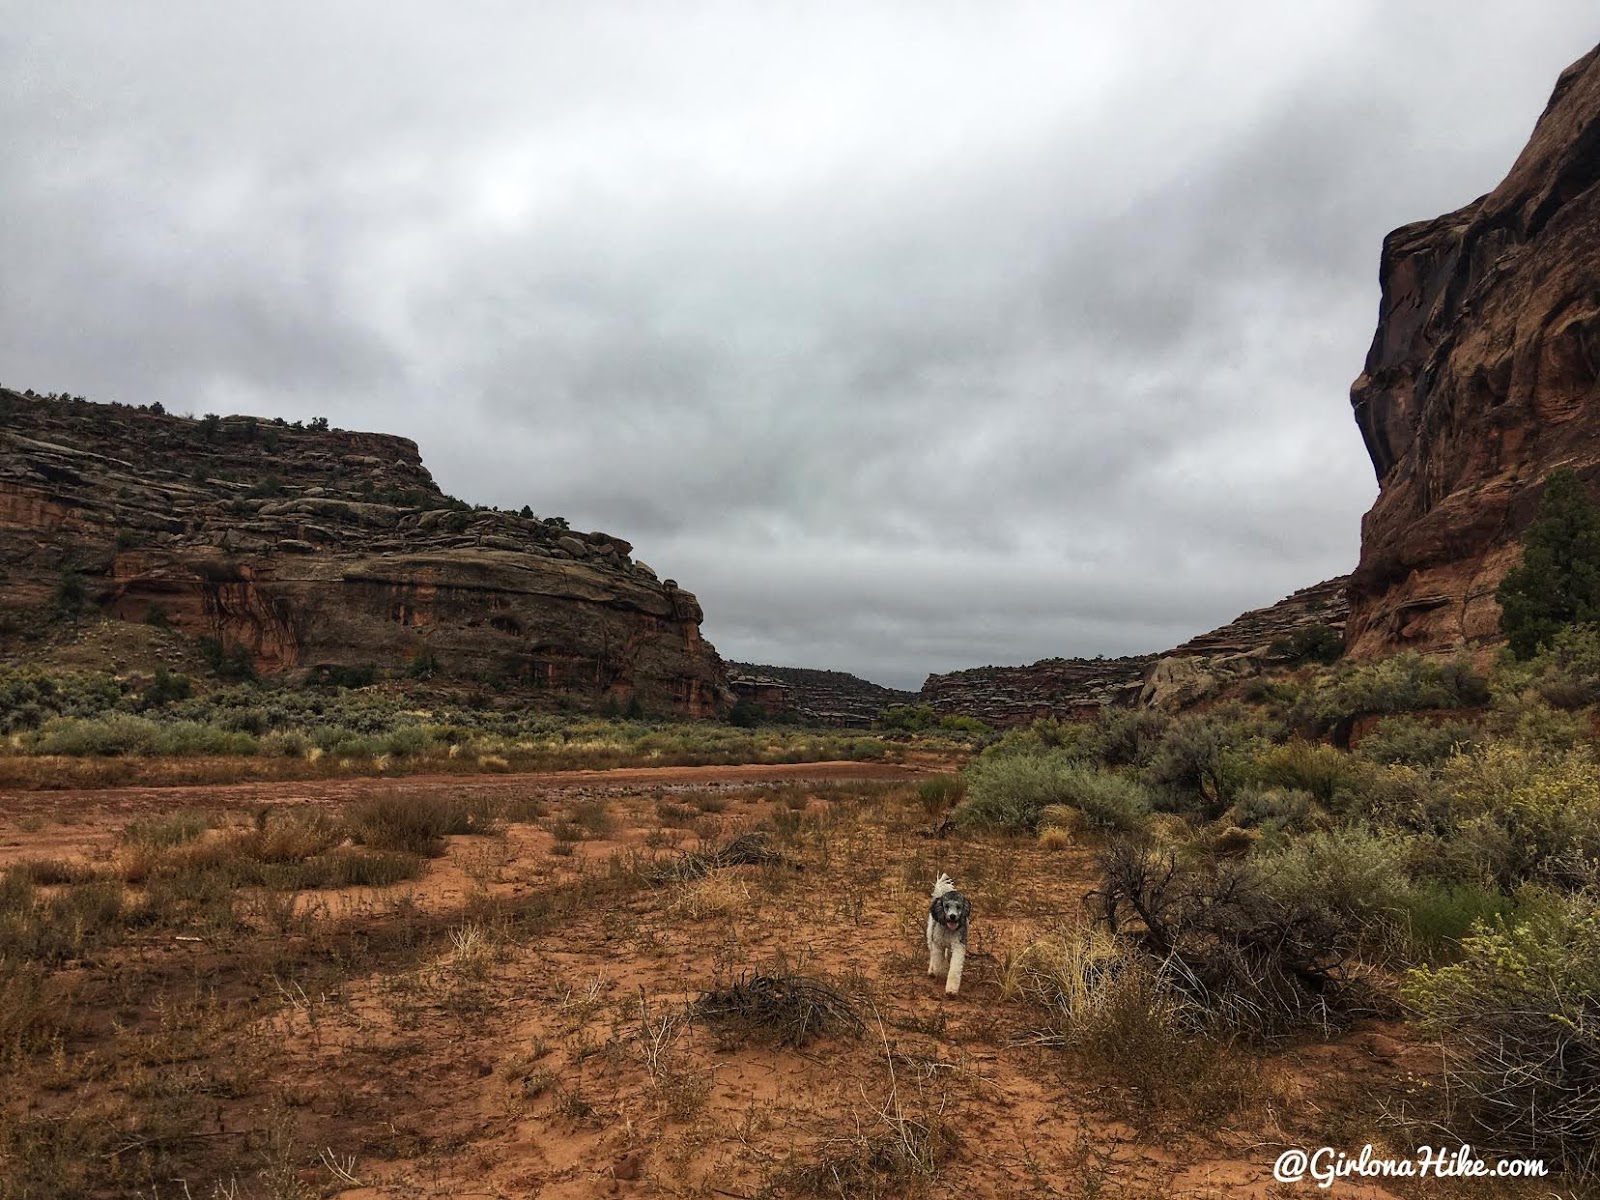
(1066,687)
(815,697)
(1483,376)
(314,547)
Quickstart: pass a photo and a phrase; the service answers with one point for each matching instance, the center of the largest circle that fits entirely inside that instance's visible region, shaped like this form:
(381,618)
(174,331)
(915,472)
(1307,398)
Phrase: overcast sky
(910,337)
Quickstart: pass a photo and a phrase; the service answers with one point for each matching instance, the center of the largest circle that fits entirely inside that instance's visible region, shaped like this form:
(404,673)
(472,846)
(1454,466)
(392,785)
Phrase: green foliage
(423,666)
(1314,643)
(1397,684)
(1130,736)
(1203,760)
(1558,582)
(1440,914)
(229,662)
(746,714)
(165,688)
(1356,873)
(941,793)
(1518,1020)
(156,617)
(338,675)
(1309,766)
(908,718)
(956,724)
(1416,742)
(1011,791)
(1524,815)
(269,485)
(71,595)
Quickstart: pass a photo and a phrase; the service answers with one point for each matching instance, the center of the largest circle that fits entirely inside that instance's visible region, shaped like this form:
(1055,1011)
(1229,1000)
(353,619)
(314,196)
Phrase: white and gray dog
(947,933)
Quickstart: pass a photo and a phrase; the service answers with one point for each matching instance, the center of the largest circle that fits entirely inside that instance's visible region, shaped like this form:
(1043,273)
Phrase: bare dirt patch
(523,1017)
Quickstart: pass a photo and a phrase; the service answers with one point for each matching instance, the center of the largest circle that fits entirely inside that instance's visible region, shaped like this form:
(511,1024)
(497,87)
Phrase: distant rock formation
(814,697)
(1483,376)
(1070,687)
(311,548)
(1052,687)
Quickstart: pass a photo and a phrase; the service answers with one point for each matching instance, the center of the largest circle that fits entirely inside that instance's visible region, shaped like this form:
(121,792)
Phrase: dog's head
(951,911)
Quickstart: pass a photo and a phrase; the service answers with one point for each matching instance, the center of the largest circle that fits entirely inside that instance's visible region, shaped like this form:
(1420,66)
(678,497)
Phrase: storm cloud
(909,338)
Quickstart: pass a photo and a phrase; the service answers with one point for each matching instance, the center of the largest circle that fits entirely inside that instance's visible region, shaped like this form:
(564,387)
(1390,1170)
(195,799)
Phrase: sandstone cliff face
(1068,687)
(815,697)
(1481,379)
(314,548)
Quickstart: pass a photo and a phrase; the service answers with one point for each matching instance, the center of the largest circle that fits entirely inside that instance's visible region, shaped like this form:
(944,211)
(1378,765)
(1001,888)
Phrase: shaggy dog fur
(947,933)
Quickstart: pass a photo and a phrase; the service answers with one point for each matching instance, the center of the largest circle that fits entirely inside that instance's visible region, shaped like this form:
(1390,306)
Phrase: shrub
(1416,742)
(746,714)
(1130,736)
(1258,961)
(1356,874)
(1526,815)
(909,718)
(166,688)
(941,793)
(1558,581)
(1315,643)
(416,824)
(1400,683)
(1275,810)
(71,596)
(1202,761)
(1439,915)
(1518,1020)
(1010,792)
(1307,766)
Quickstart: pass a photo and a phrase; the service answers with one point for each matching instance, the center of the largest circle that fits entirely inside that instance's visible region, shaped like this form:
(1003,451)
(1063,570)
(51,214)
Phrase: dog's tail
(942,885)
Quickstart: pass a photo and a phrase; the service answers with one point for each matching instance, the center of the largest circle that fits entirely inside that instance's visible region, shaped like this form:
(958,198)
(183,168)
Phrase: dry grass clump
(780,1009)
(419,824)
(752,849)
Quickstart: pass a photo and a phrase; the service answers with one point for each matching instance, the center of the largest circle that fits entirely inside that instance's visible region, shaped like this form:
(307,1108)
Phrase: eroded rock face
(319,548)
(1481,379)
(815,697)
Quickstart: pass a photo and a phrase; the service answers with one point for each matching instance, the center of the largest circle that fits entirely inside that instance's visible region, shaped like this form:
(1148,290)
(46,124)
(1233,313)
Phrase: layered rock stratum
(1077,687)
(1481,380)
(813,696)
(312,548)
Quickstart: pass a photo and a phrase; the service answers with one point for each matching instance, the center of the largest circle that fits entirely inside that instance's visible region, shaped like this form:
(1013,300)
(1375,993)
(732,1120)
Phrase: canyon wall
(1481,380)
(316,548)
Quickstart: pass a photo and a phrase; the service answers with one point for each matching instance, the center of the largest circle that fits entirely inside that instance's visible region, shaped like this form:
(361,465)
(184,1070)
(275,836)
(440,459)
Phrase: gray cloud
(909,340)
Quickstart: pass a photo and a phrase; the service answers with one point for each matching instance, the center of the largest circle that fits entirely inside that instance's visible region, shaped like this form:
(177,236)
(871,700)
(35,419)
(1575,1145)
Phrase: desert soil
(517,1021)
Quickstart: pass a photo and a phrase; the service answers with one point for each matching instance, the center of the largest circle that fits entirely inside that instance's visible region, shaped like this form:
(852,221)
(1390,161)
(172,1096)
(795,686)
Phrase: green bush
(1558,581)
(1400,683)
(166,688)
(1315,643)
(941,793)
(1202,761)
(1526,815)
(1415,742)
(1129,736)
(1518,1020)
(1358,874)
(908,718)
(1009,792)
(1439,915)
(1275,810)
(1307,766)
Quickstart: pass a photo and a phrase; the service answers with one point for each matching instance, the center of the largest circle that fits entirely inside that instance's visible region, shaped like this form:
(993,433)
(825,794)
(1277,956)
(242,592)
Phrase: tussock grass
(779,1009)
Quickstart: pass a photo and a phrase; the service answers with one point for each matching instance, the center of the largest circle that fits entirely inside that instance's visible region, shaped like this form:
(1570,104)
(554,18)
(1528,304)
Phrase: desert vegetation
(1356,906)
(86,728)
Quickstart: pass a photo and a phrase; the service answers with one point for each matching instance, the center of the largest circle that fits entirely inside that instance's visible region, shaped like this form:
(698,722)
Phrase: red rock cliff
(1481,379)
(313,548)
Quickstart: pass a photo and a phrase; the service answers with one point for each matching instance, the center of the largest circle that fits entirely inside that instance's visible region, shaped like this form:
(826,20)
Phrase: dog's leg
(934,954)
(958,959)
